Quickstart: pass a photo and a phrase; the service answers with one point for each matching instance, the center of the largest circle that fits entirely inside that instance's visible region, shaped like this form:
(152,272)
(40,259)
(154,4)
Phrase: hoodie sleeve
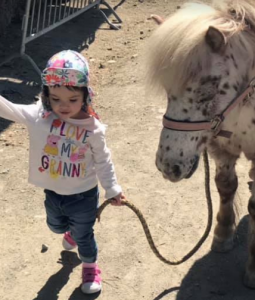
(17,112)
(104,165)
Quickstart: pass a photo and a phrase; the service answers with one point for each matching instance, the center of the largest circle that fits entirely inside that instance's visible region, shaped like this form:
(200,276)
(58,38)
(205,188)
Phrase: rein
(215,123)
(146,228)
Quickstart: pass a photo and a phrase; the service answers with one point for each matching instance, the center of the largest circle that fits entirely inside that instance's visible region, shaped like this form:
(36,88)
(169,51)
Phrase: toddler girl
(68,154)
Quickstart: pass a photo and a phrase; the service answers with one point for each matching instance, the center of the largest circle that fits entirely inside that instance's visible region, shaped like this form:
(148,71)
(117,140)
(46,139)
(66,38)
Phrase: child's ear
(45,102)
(84,105)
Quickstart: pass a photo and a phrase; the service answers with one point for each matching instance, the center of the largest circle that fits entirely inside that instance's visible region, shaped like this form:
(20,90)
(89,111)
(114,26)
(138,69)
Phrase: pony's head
(202,57)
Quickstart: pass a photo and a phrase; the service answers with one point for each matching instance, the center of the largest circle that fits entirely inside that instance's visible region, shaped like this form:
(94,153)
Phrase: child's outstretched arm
(16,112)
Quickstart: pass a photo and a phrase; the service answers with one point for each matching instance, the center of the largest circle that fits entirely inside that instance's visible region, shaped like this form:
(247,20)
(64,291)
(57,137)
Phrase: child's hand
(116,201)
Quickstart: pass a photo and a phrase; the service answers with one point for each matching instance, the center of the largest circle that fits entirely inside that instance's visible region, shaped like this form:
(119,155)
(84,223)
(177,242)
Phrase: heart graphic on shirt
(41,169)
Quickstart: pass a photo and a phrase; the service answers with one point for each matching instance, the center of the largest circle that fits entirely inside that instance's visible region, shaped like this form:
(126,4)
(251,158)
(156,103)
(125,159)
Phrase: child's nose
(64,104)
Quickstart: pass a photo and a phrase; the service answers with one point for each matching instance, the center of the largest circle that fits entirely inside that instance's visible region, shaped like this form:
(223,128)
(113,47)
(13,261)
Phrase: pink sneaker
(91,280)
(68,242)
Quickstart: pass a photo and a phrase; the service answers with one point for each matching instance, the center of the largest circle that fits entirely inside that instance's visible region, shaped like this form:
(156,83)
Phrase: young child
(68,153)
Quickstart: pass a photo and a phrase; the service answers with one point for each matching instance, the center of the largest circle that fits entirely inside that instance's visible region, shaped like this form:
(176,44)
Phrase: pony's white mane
(177,49)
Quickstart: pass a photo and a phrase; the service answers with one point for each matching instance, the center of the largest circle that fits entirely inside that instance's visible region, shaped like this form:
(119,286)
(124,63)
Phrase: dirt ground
(176,213)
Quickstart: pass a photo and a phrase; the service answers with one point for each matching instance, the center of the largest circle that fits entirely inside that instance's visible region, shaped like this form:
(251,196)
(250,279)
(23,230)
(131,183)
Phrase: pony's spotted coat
(203,57)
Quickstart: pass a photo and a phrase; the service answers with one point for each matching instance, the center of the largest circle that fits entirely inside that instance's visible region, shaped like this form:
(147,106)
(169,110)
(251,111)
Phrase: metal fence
(41,16)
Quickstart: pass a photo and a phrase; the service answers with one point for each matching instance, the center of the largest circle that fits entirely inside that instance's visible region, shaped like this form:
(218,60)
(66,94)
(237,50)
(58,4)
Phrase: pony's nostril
(176,171)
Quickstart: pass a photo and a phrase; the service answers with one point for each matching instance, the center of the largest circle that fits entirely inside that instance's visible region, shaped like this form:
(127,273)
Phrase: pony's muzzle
(170,171)
(176,171)
(173,173)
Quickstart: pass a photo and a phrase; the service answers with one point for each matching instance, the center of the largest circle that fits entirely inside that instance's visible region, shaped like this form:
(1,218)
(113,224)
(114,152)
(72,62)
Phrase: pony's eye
(206,98)
(206,93)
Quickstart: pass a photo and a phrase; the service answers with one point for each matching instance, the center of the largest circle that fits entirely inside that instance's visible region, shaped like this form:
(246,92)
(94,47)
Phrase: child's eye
(73,100)
(55,99)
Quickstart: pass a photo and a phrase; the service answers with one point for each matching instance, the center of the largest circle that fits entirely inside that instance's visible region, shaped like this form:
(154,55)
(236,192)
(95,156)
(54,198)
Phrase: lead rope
(146,228)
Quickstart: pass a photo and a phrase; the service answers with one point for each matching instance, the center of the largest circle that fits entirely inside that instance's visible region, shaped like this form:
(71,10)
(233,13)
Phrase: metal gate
(42,16)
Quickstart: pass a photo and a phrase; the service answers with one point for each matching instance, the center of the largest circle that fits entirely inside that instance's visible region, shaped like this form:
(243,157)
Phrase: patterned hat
(66,68)
(69,68)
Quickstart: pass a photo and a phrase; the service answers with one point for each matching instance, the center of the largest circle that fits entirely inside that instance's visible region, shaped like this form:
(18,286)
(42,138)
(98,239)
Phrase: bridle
(215,123)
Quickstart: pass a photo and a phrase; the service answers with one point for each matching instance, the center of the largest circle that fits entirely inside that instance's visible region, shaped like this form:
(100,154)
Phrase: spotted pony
(203,58)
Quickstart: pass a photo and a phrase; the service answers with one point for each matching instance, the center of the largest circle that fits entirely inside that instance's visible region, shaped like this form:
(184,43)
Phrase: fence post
(23,42)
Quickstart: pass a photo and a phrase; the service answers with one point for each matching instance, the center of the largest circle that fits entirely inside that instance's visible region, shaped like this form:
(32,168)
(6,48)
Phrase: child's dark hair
(46,100)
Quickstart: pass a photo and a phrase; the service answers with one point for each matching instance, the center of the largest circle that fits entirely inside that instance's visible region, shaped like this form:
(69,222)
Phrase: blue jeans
(76,213)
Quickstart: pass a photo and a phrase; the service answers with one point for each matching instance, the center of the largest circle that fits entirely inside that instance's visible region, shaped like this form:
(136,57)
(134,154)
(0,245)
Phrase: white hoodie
(68,156)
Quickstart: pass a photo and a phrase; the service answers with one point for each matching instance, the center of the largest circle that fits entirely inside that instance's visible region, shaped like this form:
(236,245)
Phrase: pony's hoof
(249,280)
(222,246)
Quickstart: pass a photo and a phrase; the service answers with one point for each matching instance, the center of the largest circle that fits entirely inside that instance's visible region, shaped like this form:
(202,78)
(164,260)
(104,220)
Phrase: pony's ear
(159,20)
(215,39)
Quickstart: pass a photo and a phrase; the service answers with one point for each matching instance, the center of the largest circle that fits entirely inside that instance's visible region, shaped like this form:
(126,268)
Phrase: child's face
(66,103)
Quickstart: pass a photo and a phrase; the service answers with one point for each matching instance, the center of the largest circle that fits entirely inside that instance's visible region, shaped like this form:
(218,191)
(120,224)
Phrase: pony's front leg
(226,182)
(249,279)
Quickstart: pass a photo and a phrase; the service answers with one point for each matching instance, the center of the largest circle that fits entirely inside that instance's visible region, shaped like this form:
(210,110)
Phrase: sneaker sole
(91,292)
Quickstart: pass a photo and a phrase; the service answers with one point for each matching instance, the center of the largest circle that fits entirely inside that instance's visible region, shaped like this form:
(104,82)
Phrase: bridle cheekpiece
(215,123)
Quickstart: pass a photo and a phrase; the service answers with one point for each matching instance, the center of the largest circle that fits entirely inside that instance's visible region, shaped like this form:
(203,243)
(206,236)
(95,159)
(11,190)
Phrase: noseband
(215,123)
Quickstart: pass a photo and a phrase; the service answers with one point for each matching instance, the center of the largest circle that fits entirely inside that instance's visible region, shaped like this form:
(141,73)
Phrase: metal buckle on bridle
(215,124)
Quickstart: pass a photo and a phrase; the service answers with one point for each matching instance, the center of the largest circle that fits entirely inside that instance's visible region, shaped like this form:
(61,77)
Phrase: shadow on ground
(218,275)
(56,282)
